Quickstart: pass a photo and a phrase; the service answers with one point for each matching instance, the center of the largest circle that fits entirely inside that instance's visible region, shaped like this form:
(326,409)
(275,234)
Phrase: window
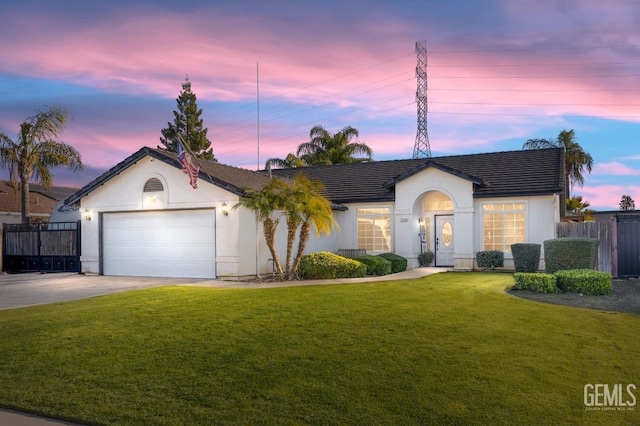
(502,225)
(374,229)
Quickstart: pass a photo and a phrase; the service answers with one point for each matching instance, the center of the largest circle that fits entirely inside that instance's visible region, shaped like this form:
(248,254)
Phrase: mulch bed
(624,297)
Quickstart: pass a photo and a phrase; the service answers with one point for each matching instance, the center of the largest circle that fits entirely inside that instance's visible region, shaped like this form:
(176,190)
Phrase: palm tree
(338,148)
(291,161)
(315,210)
(265,204)
(35,150)
(576,205)
(576,159)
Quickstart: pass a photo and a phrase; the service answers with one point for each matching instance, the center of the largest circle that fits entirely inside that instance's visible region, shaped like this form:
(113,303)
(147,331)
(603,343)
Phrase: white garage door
(178,243)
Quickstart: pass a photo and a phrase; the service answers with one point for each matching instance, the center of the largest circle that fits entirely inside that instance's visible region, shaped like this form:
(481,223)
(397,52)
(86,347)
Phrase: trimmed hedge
(526,257)
(585,281)
(325,265)
(490,259)
(375,265)
(570,253)
(398,263)
(540,283)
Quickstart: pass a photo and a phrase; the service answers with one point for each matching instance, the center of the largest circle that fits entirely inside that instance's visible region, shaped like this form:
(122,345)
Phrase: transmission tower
(421,149)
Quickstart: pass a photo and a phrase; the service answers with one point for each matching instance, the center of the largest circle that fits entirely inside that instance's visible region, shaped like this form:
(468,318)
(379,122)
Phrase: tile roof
(233,179)
(10,201)
(497,174)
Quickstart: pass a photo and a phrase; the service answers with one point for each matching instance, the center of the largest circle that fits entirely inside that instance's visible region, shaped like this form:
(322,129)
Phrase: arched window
(153,185)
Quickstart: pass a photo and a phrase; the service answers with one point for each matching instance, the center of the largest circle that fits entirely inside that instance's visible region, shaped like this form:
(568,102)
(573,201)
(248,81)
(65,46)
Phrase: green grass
(448,349)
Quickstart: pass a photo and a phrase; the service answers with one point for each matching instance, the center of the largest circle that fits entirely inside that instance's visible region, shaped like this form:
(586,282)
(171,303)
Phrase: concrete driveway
(20,290)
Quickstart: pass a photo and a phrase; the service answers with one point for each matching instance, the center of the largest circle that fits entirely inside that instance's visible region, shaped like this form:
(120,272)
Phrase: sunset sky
(499,72)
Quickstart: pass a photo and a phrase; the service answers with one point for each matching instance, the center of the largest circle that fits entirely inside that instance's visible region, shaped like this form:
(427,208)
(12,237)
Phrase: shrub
(398,263)
(375,265)
(490,259)
(570,253)
(585,281)
(425,259)
(526,257)
(325,265)
(540,283)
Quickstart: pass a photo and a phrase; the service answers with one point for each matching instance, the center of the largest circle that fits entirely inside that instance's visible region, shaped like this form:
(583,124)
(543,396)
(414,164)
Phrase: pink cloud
(614,168)
(607,197)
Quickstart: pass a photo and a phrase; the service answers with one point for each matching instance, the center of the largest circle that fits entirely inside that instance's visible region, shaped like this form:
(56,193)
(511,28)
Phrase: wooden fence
(603,231)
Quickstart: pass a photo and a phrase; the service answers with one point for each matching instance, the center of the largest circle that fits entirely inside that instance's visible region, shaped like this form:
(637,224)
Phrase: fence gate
(628,245)
(43,247)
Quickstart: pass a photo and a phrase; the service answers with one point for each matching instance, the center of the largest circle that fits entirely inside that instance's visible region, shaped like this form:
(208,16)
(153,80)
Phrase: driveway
(20,290)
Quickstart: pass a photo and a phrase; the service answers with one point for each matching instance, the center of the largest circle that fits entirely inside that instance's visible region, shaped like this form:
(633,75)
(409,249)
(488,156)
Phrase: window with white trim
(374,229)
(502,225)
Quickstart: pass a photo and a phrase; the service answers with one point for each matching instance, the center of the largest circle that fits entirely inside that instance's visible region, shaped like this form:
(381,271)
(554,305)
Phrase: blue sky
(499,73)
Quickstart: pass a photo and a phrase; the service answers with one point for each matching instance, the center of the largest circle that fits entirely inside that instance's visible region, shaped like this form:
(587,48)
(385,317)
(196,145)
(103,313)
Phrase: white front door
(444,240)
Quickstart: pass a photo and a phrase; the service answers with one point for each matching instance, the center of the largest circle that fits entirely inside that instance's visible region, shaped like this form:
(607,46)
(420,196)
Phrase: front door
(444,240)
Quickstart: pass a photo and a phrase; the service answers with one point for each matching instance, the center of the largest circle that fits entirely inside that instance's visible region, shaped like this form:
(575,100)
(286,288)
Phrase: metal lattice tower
(421,149)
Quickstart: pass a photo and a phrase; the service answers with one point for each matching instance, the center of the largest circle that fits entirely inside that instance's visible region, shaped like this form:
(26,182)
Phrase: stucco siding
(124,193)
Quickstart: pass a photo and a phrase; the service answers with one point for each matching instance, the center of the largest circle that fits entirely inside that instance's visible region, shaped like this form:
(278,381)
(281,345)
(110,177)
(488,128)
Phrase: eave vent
(153,185)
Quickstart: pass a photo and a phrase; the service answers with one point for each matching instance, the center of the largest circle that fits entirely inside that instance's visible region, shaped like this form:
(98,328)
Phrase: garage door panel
(162,243)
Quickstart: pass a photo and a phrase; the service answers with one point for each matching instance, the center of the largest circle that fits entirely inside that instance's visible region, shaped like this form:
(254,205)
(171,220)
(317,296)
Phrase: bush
(490,259)
(398,263)
(425,259)
(526,257)
(375,265)
(570,253)
(325,265)
(585,281)
(540,283)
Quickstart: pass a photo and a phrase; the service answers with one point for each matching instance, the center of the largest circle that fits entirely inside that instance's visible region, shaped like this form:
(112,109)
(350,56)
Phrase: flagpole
(258,163)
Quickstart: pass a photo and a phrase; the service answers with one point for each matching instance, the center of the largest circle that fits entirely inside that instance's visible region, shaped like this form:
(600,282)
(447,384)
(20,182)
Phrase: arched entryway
(436,226)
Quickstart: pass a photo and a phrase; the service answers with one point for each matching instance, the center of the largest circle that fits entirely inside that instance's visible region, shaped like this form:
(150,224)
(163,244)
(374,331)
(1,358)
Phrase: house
(42,202)
(143,218)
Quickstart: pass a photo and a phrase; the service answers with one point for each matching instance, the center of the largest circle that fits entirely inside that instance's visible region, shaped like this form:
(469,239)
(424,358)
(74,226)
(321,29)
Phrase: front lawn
(451,348)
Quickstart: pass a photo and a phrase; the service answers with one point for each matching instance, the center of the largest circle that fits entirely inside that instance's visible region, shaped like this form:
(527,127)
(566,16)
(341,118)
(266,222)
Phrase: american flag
(187,165)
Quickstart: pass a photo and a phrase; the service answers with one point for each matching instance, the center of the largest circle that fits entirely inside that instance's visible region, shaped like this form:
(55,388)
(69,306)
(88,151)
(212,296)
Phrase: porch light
(225,209)
(87,214)
(420,221)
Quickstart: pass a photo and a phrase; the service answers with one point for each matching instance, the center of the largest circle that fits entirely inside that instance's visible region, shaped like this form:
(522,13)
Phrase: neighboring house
(41,202)
(145,219)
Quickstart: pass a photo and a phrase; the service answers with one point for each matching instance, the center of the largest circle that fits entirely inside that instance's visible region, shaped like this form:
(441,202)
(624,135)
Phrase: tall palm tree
(291,161)
(576,158)
(338,148)
(265,205)
(35,150)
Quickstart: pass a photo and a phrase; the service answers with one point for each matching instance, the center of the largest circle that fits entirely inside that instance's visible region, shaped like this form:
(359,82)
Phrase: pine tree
(188,124)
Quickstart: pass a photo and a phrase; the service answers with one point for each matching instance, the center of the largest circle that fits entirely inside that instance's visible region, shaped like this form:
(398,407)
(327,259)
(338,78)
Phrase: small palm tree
(576,159)
(36,150)
(576,205)
(338,148)
(265,204)
(315,210)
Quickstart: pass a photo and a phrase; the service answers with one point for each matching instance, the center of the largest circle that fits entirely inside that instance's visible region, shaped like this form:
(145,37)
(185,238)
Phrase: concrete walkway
(22,290)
